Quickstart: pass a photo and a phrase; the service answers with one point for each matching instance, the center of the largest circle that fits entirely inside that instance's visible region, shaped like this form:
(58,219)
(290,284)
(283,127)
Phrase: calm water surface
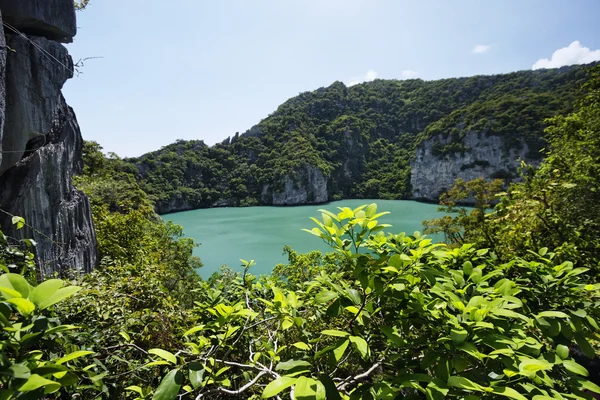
(260,233)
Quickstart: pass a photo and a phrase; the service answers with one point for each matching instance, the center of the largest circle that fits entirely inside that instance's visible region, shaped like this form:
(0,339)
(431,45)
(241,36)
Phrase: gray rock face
(2,83)
(39,188)
(33,84)
(486,157)
(307,186)
(40,141)
(53,19)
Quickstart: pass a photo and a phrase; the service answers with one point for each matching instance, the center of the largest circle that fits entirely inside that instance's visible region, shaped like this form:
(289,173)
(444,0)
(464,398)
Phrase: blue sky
(200,69)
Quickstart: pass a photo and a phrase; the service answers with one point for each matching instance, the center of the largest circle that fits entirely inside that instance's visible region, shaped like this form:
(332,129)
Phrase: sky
(150,72)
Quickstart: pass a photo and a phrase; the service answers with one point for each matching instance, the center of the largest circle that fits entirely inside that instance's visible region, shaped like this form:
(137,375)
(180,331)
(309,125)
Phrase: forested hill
(383,139)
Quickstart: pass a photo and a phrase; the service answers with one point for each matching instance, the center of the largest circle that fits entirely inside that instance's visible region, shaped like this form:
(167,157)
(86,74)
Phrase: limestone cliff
(481,155)
(306,186)
(40,138)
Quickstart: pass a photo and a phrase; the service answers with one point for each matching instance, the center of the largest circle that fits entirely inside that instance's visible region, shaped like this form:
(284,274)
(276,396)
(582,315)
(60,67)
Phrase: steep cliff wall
(306,186)
(481,155)
(41,140)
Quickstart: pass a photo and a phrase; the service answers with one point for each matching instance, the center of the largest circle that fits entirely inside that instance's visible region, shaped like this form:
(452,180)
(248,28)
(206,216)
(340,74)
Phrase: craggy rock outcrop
(41,140)
(52,19)
(485,156)
(307,186)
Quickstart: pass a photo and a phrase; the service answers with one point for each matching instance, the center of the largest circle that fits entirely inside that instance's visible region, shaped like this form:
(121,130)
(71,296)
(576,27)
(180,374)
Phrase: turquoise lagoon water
(227,235)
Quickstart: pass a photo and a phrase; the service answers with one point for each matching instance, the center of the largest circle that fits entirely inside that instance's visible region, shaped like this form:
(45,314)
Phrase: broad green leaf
(292,364)
(463,383)
(194,330)
(325,296)
(334,332)
(339,351)
(59,295)
(277,386)
(21,371)
(196,374)
(136,389)
(531,366)
(165,355)
(301,346)
(458,336)
(169,386)
(35,382)
(371,210)
(45,290)
(508,392)
(591,386)
(361,345)
(24,306)
(562,351)
(575,368)
(15,282)
(305,388)
(552,314)
(73,356)
(62,328)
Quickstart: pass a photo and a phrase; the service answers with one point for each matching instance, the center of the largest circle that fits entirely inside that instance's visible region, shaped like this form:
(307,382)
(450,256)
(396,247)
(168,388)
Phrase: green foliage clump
(400,317)
(557,205)
(38,355)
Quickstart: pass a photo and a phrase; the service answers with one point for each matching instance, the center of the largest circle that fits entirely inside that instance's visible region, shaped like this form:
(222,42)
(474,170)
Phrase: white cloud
(409,74)
(368,77)
(574,54)
(481,49)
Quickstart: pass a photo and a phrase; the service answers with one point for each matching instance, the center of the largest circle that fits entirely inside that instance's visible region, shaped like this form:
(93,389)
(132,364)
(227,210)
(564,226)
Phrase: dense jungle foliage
(361,138)
(508,308)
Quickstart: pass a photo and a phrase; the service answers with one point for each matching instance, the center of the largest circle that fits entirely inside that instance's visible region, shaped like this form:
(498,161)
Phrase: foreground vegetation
(509,308)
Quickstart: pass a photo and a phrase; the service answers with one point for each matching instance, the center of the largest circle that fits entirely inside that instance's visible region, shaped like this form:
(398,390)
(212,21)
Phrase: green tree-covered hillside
(354,142)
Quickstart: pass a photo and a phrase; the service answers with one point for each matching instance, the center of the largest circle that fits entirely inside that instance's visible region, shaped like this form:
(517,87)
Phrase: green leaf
(165,355)
(18,221)
(592,387)
(531,366)
(169,386)
(73,355)
(325,296)
(552,314)
(45,290)
(371,210)
(59,295)
(20,371)
(436,390)
(305,388)
(458,336)
(339,351)
(292,364)
(463,383)
(277,386)
(355,296)
(136,389)
(196,373)
(508,392)
(35,382)
(15,282)
(301,346)
(575,368)
(334,332)
(562,351)
(361,345)
(24,306)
